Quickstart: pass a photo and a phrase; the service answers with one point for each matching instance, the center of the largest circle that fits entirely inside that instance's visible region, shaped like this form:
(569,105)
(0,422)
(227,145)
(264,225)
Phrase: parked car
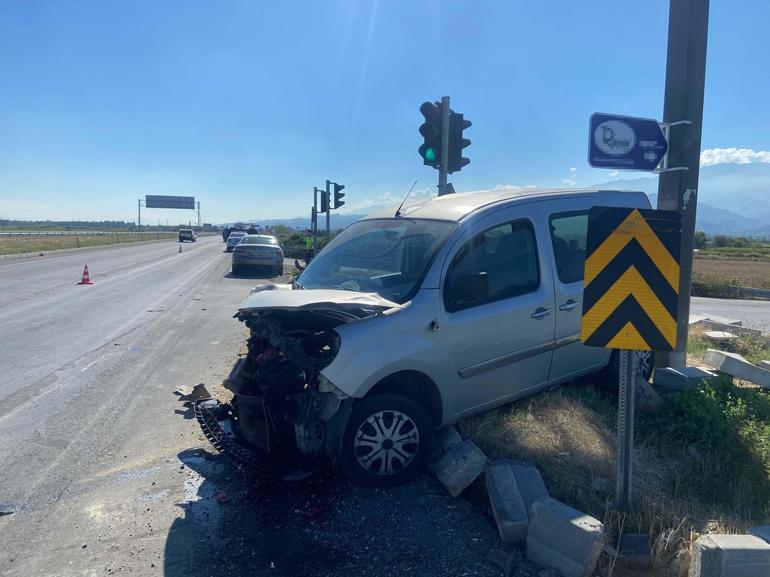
(233,239)
(257,250)
(408,322)
(187,235)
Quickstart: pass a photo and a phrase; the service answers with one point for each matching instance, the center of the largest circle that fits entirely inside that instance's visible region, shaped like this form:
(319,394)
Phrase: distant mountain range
(734,199)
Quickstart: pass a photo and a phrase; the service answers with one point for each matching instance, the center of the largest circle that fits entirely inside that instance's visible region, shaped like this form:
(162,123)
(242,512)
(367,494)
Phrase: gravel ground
(327,526)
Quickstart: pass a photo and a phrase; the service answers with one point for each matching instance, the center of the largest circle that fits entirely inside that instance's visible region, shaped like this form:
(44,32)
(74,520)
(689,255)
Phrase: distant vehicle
(187,235)
(411,321)
(225,233)
(257,250)
(233,239)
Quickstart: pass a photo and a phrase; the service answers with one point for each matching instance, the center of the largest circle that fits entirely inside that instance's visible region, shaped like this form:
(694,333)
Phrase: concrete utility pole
(678,190)
(442,171)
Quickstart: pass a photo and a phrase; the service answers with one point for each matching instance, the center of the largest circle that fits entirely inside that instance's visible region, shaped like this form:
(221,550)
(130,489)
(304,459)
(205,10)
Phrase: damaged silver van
(409,321)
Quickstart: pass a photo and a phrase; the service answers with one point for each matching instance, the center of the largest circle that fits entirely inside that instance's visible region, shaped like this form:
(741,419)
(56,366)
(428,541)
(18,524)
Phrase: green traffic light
(430,154)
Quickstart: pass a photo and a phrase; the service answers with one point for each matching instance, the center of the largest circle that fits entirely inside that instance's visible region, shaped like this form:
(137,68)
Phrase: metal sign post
(625,430)
(630,295)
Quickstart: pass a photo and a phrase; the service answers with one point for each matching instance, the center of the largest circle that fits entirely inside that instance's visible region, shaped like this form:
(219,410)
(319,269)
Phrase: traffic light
(430,150)
(338,202)
(456,142)
(324,201)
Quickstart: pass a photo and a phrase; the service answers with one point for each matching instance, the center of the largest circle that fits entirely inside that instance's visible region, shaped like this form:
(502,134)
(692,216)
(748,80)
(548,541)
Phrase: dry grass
(27,244)
(701,465)
(741,272)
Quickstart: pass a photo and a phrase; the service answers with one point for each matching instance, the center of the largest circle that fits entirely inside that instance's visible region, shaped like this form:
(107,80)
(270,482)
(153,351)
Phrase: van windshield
(387,256)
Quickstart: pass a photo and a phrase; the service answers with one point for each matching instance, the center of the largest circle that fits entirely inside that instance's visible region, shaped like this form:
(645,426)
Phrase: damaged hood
(282,297)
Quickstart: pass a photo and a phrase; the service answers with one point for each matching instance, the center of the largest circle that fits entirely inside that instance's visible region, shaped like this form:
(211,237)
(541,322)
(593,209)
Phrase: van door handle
(569,305)
(540,312)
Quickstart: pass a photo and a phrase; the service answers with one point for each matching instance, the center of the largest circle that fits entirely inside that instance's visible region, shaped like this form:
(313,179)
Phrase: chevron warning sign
(631,282)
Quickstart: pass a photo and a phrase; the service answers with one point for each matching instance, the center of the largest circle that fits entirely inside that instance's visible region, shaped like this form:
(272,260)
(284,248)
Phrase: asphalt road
(103,471)
(754,314)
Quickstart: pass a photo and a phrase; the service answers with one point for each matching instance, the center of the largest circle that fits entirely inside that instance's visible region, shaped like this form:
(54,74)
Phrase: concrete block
(682,379)
(719,336)
(531,486)
(564,538)
(764,365)
(447,439)
(762,531)
(507,504)
(712,325)
(735,365)
(634,551)
(730,556)
(459,467)
(647,398)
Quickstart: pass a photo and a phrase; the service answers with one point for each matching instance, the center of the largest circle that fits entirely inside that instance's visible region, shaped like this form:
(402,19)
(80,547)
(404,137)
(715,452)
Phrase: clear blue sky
(246,105)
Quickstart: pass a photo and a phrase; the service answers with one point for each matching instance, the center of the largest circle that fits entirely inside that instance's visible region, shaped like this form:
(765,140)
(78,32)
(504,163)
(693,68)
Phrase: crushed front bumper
(216,421)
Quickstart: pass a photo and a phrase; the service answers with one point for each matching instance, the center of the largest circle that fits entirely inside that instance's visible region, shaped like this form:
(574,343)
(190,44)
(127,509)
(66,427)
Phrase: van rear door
(566,219)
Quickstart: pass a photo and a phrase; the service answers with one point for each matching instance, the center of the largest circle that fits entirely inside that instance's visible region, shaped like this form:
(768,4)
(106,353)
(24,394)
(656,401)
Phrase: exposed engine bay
(283,417)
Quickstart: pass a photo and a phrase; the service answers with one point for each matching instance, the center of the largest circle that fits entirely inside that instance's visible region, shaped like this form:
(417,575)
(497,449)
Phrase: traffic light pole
(678,190)
(442,171)
(314,222)
(328,210)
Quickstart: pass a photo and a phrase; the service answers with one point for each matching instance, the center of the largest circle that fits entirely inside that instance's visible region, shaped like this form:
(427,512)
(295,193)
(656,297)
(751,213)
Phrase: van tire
(375,422)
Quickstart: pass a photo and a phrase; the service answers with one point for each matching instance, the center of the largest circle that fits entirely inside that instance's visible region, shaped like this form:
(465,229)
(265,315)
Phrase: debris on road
(191,394)
(459,467)
(508,506)
(564,538)
(730,556)
(735,365)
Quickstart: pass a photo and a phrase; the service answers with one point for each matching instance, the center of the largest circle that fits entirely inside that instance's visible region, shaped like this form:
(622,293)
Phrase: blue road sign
(625,142)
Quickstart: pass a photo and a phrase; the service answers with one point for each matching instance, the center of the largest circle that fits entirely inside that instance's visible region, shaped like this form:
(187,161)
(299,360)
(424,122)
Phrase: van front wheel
(386,442)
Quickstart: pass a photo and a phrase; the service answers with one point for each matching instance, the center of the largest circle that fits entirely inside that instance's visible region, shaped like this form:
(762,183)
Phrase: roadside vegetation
(702,463)
(38,244)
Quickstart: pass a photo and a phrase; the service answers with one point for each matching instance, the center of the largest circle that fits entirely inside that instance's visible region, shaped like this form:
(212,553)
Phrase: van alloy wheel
(386,442)
(643,363)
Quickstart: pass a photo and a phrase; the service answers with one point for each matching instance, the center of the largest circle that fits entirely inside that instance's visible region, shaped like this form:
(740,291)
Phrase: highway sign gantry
(625,142)
(631,282)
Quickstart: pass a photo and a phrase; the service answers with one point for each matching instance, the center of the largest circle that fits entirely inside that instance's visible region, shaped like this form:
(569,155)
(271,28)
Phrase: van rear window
(568,236)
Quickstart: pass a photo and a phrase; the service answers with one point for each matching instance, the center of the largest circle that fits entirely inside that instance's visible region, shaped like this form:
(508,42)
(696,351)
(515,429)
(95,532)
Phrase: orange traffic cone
(86,279)
(180,248)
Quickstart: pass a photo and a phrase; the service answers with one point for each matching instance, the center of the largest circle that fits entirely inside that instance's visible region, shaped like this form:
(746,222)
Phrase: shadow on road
(238,525)
(256,274)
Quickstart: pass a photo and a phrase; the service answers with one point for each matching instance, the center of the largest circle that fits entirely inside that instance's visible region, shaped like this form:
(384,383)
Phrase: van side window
(499,263)
(568,235)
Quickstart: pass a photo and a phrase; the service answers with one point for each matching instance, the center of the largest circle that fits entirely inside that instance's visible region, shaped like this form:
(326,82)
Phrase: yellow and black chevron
(631,282)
